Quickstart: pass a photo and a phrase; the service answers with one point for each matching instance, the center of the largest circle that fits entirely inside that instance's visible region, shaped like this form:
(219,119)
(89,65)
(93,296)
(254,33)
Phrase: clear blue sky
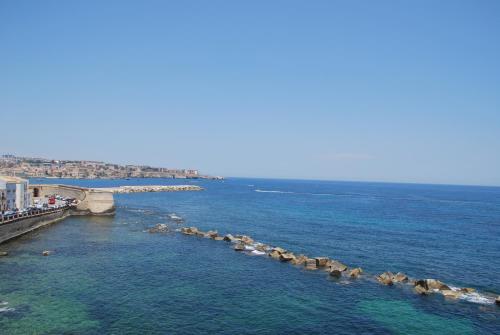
(345,90)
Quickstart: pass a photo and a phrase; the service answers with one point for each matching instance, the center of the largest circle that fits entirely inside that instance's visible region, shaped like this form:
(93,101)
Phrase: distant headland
(29,167)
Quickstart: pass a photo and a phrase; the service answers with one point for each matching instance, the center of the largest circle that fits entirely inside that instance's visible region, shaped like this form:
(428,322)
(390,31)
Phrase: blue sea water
(108,276)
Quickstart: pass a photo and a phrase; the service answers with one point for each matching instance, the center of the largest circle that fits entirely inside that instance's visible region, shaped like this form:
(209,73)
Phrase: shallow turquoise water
(107,275)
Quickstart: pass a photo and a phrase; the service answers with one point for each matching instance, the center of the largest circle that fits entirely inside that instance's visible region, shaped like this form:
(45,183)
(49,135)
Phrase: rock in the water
(212,233)
(321,262)
(336,265)
(311,264)
(159,228)
(229,238)
(386,278)
(467,290)
(4,253)
(189,230)
(287,257)
(279,250)
(274,254)
(421,286)
(497,300)
(451,294)
(218,238)
(400,278)
(355,273)
(262,247)
(336,273)
(246,239)
(239,247)
(299,260)
(46,253)
(434,284)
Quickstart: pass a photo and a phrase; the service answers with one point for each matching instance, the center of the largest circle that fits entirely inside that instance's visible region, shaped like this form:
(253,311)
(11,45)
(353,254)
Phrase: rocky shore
(336,269)
(151,188)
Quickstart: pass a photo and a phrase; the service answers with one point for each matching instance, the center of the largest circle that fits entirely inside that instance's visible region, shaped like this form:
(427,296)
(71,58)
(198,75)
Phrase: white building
(16,192)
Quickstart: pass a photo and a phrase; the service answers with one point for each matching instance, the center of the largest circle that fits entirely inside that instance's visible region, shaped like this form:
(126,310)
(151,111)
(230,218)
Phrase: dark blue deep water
(107,276)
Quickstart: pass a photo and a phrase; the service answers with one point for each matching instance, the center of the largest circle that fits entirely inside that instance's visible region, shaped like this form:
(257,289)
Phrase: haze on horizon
(339,90)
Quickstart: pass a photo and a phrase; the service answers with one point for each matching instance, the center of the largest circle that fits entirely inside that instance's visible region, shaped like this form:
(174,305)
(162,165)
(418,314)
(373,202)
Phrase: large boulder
(385,278)
(229,238)
(262,247)
(467,290)
(355,273)
(189,230)
(497,300)
(421,286)
(311,264)
(299,260)
(321,262)
(246,239)
(212,233)
(287,257)
(279,250)
(274,254)
(400,278)
(218,238)
(336,265)
(434,284)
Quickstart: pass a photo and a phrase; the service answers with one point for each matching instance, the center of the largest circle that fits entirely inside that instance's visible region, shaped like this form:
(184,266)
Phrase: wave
(175,217)
(289,192)
(5,309)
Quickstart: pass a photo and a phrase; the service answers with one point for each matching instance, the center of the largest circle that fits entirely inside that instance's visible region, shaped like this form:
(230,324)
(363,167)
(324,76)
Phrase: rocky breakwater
(337,270)
(151,188)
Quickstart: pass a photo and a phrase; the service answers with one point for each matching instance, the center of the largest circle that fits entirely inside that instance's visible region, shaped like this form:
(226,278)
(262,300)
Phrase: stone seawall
(22,226)
(89,201)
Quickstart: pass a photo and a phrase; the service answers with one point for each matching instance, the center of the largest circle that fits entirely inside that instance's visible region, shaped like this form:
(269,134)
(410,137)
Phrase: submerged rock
(3,253)
(355,273)
(386,278)
(46,253)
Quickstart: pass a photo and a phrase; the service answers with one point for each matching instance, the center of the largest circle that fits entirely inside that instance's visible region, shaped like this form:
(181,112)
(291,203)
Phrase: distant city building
(11,165)
(16,193)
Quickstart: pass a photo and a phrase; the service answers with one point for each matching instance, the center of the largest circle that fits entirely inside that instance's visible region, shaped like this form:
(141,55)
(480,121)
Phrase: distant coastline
(28,167)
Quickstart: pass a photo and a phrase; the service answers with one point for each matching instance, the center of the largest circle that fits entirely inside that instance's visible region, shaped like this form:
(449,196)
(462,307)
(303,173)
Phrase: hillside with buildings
(27,167)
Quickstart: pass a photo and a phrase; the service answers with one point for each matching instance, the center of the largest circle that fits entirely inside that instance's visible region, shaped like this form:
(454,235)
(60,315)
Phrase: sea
(108,275)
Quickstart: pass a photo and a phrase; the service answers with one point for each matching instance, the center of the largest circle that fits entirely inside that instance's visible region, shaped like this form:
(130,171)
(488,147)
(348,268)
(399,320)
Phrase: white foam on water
(3,303)
(257,252)
(265,191)
(289,192)
(249,248)
(477,298)
(7,309)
